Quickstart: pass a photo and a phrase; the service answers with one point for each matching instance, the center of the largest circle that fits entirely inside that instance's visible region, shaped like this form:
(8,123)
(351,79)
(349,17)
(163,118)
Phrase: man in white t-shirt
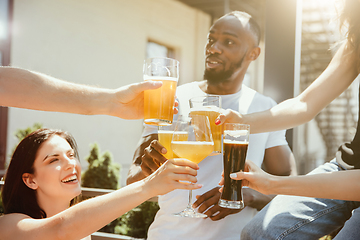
(232,45)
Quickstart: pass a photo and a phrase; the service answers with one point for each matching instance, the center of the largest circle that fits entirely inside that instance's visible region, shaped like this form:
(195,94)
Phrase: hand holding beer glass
(197,146)
(209,106)
(159,103)
(235,145)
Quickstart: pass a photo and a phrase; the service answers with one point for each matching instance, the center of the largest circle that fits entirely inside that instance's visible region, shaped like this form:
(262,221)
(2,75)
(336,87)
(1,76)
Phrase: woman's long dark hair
(16,196)
(350,17)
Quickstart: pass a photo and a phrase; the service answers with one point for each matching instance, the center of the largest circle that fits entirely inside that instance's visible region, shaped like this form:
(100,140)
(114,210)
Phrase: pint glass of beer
(209,106)
(235,145)
(159,103)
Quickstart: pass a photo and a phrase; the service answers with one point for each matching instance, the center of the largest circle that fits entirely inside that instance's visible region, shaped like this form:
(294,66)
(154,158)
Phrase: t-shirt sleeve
(276,139)
(148,129)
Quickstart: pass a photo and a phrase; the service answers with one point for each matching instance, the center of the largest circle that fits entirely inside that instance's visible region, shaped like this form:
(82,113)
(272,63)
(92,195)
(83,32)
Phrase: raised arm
(90,215)
(336,78)
(26,89)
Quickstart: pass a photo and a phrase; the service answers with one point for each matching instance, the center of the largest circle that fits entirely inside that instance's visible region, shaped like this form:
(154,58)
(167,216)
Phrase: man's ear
(254,54)
(28,179)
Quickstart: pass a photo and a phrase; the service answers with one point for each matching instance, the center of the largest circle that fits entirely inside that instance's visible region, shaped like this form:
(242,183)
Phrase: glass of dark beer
(235,145)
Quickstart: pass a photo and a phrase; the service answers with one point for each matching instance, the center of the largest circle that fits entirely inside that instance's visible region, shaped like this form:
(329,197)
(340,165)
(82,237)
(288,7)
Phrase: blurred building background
(104,43)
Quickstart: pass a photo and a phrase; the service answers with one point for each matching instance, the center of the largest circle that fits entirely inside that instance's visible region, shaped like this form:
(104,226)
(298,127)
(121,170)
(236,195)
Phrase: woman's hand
(229,116)
(174,174)
(253,177)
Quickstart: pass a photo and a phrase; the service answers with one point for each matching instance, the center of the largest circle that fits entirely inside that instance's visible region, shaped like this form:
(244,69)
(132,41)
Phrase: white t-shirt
(166,226)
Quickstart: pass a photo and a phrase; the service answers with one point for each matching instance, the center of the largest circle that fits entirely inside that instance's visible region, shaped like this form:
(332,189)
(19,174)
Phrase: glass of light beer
(165,134)
(195,147)
(235,145)
(209,106)
(159,103)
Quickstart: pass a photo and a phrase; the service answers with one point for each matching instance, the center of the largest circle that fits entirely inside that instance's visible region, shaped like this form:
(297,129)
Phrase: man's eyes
(229,42)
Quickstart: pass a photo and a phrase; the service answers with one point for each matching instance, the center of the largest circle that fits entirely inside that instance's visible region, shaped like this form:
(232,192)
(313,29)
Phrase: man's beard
(214,77)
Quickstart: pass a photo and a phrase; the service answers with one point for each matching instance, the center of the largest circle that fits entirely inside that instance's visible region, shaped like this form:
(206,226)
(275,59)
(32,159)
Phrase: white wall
(101,42)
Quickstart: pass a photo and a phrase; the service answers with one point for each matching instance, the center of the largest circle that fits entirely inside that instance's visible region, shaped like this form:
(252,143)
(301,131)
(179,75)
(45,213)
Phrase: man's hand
(128,102)
(152,157)
(208,203)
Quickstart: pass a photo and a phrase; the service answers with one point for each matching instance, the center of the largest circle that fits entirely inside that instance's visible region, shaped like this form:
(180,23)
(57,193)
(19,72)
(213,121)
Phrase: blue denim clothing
(351,228)
(293,217)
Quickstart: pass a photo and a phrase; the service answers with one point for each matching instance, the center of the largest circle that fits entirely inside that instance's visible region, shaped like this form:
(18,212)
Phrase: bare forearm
(285,115)
(343,185)
(335,79)
(90,215)
(26,89)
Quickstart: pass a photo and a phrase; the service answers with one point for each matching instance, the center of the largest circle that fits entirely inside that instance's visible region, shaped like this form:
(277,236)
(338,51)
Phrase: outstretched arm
(344,185)
(336,78)
(90,215)
(26,89)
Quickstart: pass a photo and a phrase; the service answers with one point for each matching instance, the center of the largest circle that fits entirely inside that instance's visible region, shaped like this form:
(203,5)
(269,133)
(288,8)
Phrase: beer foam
(159,78)
(165,131)
(209,108)
(236,133)
(229,141)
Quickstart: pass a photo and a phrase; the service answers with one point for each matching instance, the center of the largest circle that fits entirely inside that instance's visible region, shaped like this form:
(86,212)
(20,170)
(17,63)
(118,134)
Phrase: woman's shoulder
(13,217)
(9,222)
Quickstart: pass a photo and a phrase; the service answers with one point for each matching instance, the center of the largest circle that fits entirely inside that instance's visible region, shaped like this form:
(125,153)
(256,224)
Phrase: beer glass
(209,106)
(235,145)
(197,146)
(159,103)
(165,134)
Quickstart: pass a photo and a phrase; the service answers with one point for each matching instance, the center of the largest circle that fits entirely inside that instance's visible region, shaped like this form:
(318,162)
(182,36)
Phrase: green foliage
(20,134)
(138,220)
(102,171)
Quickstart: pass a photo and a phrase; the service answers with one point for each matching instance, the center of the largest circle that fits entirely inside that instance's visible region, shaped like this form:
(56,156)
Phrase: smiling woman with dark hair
(43,179)
(17,196)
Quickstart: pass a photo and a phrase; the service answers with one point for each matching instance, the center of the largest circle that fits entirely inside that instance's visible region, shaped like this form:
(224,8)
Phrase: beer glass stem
(190,197)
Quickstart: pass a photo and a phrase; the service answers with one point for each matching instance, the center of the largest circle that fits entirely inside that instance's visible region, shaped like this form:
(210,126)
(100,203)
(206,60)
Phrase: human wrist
(147,187)
(105,102)
(275,185)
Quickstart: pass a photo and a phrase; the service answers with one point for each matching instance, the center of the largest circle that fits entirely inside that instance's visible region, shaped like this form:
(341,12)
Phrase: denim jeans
(293,217)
